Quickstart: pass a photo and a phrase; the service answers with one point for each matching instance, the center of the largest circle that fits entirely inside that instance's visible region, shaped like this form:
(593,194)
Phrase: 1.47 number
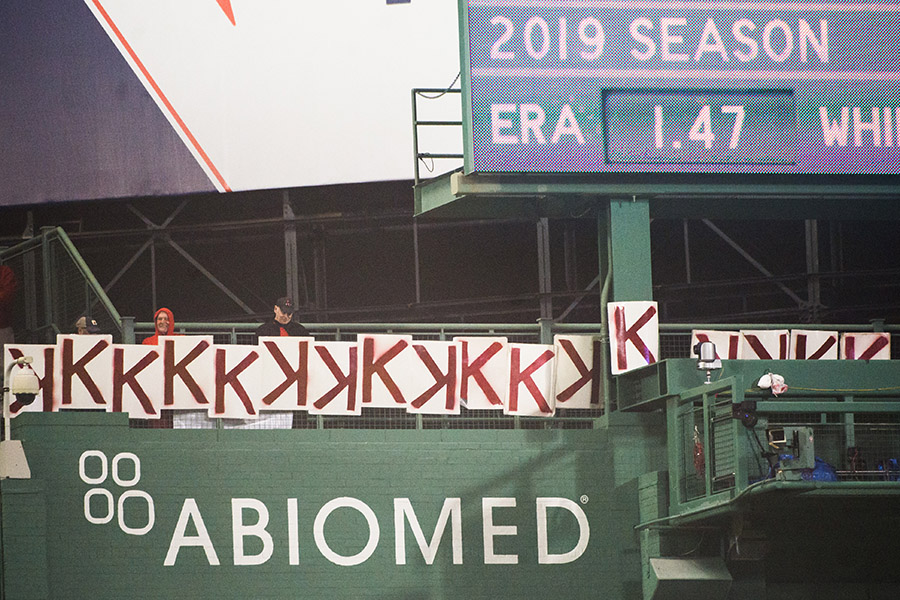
(702,130)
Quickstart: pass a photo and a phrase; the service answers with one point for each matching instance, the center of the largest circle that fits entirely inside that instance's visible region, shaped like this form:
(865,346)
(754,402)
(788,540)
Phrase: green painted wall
(50,550)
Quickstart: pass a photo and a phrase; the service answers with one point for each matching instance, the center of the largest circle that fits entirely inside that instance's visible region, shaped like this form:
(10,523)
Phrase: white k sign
(633,335)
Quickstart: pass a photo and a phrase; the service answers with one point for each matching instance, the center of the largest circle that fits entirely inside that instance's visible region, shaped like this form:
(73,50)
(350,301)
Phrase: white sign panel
(137,380)
(728,343)
(814,345)
(484,372)
(84,371)
(579,374)
(765,345)
(284,372)
(866,346)
(282,93)
(633,335)
(531,380)
(237,377)
(189,381)
(434,380)
(333,379)
(383,362)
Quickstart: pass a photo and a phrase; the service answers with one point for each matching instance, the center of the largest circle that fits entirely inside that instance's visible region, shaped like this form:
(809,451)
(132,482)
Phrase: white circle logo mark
(94,469)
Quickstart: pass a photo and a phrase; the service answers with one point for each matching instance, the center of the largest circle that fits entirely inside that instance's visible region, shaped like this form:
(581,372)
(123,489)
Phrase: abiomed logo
(250,521)
(95,468)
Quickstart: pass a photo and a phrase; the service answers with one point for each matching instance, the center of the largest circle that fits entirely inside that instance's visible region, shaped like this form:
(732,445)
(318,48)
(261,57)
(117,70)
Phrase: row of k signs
(189,373)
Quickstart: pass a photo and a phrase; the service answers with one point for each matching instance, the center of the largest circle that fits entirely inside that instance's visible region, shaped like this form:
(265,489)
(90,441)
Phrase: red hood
(171,321)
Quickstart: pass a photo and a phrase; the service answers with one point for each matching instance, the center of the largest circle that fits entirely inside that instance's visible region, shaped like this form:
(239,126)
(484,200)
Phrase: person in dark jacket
(282,324)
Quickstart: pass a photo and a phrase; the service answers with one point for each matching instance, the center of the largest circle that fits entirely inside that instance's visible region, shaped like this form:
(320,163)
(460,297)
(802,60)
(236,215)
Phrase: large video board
(119,99)
(677,87)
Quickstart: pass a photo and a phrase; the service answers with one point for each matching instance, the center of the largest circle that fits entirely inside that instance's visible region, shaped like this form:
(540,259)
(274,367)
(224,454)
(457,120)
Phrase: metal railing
(418,124)
(714,456)
(55,287)
(674,338)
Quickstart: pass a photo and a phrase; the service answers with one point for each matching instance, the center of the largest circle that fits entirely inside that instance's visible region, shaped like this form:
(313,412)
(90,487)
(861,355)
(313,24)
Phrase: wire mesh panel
(387,418)
(860,447)
(55,288)
(674,345)
(723,457)
(707,452)
(876,453)
(692,432)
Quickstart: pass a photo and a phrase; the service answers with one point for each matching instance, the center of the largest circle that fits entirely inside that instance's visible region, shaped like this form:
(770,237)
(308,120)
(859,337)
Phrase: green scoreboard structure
(680,87)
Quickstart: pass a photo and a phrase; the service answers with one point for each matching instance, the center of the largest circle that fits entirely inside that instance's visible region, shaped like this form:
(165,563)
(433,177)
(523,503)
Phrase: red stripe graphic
(225,5)
(873,349)
(162,96)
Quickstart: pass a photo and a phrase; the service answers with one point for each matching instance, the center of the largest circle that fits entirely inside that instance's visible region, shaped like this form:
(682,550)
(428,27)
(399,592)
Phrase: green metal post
(849,425)
(674,451)
(629,232)
(708,449)
(47,272)
(605,268)
(546,330)
(128,330)
(92,286)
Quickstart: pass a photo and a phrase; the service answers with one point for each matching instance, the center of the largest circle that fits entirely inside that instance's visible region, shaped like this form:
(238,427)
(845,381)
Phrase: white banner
(484,372)
(814,345)
(633,335)
(241,81)
(531,378)
(728,343)
(579,373)
(190,373)
(193,376)
(866,346)
(765,345)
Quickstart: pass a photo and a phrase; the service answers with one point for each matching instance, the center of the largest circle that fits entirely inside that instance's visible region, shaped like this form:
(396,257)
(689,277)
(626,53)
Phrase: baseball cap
(286,305)
(88,323)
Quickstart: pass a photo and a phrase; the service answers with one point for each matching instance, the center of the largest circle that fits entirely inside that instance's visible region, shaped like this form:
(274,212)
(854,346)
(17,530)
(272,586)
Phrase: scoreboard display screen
(678,87)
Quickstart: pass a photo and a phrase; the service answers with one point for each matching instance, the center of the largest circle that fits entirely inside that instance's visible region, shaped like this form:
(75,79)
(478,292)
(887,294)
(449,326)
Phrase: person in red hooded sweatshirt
(8,285)
(165,325)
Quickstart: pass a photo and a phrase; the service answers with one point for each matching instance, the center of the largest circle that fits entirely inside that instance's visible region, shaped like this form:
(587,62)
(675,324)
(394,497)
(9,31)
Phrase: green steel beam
(86,272)
(664,187)
(858,490)
(458,195)
(629,231)
(647,388)
(775,406)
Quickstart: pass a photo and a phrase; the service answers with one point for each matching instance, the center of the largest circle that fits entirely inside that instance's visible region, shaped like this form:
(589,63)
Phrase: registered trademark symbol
(584,499)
